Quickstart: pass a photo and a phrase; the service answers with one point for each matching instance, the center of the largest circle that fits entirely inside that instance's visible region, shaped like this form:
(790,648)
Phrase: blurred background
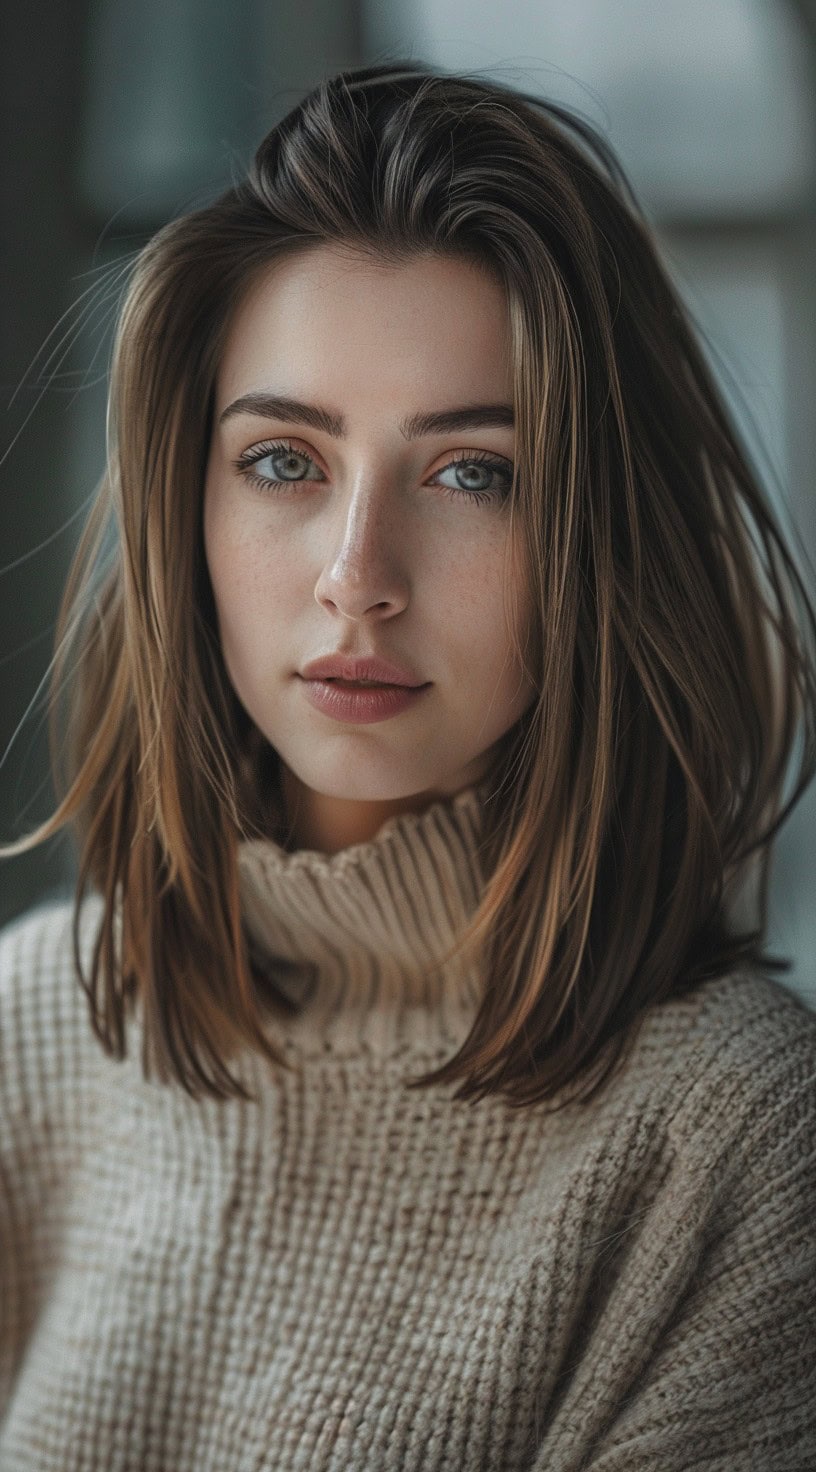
(118,114)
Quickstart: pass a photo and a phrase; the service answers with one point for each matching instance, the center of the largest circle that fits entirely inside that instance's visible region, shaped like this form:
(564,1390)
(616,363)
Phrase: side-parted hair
(671,642)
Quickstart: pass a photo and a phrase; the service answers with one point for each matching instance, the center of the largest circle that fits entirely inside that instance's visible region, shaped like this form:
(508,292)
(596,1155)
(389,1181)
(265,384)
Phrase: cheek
(233,564)
(493,619)
(476,601)
(235,555)
(215,527)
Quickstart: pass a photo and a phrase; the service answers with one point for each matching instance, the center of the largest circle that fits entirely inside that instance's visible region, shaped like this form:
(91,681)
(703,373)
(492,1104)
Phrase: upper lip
(365,667)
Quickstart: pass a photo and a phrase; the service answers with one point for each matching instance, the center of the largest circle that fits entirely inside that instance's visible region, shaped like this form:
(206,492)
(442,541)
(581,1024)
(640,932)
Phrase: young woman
(415,404)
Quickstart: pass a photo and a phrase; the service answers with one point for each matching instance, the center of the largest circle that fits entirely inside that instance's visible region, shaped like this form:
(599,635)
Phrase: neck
(353,938)
(325,824)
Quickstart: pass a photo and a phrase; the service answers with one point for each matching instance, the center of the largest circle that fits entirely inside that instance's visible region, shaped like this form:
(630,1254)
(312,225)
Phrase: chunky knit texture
(345,1275)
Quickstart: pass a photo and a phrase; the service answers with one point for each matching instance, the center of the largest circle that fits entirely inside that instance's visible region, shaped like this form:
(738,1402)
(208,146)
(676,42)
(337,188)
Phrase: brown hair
(629,804)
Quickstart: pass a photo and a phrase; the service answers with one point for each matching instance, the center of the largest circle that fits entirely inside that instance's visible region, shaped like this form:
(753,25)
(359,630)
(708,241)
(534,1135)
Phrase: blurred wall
(131,113)
(46,241)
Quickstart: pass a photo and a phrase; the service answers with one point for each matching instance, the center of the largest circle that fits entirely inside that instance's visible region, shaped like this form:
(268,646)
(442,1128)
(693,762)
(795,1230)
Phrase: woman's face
(373,543)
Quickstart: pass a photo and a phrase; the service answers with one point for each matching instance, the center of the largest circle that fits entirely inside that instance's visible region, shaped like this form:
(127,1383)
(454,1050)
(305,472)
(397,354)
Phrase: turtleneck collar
(355,929)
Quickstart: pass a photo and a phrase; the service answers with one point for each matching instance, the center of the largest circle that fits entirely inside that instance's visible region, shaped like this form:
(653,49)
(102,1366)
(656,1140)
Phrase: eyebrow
(444,421)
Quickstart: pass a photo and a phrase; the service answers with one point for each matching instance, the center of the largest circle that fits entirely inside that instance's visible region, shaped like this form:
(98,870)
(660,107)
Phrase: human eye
(479,463)
(485,467)
(278,453)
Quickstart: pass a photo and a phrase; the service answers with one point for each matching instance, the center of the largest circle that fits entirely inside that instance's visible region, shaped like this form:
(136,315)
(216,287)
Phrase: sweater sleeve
(42,1048)
(729,1384)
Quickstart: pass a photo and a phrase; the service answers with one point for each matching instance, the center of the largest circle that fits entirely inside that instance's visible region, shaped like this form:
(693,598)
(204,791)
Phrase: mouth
(363,671)
(364,684)
(358,702)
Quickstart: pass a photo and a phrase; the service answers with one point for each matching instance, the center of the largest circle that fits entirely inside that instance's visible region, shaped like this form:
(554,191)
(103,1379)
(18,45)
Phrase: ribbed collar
(354,929)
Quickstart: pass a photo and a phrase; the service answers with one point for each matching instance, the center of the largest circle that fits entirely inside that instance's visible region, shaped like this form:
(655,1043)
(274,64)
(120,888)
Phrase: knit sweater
(346,1275)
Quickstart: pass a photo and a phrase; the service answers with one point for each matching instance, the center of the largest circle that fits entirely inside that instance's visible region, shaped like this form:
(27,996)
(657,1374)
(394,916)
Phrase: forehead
(332,316)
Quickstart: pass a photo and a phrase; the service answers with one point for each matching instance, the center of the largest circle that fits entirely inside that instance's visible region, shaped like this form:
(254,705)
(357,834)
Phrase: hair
(671,641)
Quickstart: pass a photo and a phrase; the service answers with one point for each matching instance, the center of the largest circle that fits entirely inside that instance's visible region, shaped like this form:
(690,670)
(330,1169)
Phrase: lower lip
(361,707)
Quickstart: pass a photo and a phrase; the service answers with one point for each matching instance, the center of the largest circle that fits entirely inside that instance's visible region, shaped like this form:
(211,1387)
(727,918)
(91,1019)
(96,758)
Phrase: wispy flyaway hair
(671,644)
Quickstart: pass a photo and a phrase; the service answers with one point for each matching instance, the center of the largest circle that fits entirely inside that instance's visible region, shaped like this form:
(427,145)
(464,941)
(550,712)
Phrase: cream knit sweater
(345,1275)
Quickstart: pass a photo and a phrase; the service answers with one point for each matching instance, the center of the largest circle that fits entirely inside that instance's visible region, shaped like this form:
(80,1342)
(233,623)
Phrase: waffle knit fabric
(346,1275)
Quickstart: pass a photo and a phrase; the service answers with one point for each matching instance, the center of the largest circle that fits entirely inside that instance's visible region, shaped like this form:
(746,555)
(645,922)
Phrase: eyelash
(245,462)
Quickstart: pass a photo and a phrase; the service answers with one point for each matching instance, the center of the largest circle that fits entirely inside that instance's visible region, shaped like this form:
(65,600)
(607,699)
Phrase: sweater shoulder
(745,1021)
(37,964)
(740,1012)
(43,1008)
(722,1059)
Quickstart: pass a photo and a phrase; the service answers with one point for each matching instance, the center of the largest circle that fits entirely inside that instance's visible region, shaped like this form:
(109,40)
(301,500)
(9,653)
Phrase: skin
(371,546)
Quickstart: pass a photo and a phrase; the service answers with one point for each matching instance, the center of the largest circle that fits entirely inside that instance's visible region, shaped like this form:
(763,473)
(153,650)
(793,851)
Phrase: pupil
(471,470)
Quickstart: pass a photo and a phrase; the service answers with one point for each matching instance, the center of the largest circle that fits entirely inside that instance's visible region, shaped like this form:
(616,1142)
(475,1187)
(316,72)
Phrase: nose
(364,569)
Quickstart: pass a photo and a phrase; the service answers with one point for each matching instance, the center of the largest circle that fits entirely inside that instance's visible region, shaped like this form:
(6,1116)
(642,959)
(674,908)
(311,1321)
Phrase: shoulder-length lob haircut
(672,640)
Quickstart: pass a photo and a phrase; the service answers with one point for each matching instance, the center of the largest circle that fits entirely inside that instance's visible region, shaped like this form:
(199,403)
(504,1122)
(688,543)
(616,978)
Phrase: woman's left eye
(473,471)
(483,468)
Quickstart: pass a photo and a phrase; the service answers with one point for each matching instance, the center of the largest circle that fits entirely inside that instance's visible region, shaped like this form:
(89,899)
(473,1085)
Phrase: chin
(368,791)
(368,787)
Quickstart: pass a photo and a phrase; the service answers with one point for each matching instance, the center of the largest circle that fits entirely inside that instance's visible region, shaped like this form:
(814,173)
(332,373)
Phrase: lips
(364,684)
(371,668)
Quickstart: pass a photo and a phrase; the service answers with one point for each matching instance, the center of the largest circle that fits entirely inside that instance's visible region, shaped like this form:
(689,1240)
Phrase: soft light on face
(373,542)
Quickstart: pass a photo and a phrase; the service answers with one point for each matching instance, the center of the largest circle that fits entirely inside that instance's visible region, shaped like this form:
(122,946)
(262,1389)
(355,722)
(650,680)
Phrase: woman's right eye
(283,461)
